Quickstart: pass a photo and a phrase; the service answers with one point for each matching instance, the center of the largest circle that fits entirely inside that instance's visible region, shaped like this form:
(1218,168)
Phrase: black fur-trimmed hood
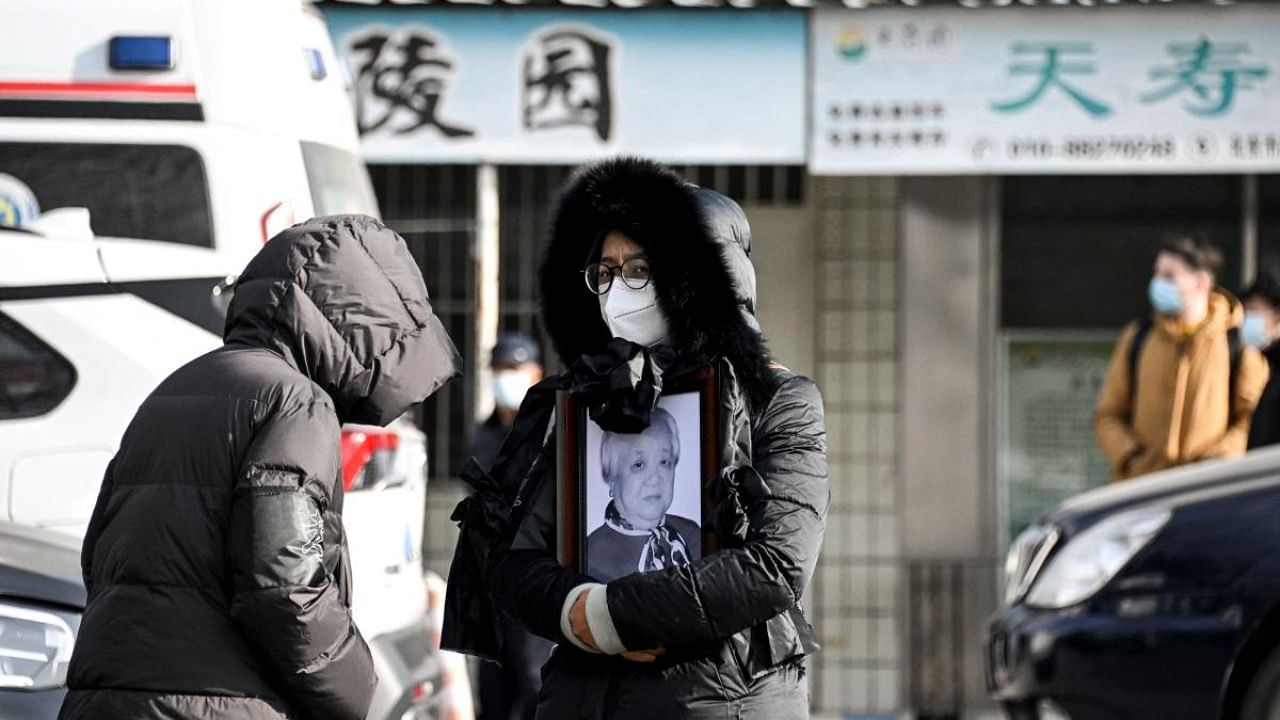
(699,245)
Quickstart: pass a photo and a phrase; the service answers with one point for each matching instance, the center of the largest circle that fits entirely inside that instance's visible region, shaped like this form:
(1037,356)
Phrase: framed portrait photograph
(637,502)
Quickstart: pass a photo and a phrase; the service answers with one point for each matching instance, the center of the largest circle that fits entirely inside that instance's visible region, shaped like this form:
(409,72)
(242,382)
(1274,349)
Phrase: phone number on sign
(1093,148)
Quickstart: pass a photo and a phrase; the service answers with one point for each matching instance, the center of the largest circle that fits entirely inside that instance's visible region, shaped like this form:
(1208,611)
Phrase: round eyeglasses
(635,274)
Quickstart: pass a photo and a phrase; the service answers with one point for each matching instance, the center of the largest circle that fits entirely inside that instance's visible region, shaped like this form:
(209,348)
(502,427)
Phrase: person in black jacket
(644,276)
(509,690)
(215,561)
(1261,329)
(516,364)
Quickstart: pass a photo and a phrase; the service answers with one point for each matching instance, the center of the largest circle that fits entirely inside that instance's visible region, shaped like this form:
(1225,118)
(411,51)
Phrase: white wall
(783,251)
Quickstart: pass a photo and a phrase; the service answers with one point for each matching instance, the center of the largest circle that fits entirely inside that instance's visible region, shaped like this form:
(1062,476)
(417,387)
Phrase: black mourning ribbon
(471,619)
(621,385)
(486,509)
(485,519)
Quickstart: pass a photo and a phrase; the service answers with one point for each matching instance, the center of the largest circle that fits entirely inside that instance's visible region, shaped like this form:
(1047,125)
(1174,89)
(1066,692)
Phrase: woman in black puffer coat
(724,636)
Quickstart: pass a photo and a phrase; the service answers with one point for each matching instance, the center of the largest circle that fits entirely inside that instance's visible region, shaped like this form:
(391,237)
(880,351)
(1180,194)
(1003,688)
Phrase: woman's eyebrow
(613,259)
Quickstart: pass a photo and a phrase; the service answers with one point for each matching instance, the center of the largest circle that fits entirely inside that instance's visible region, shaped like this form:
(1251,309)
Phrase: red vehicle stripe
(82,89)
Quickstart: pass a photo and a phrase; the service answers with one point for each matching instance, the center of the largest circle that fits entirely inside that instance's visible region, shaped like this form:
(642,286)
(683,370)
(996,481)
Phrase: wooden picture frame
(581,471)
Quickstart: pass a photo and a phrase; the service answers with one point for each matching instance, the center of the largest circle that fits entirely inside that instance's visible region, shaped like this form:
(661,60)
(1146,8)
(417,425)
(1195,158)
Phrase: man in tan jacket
(1181,387)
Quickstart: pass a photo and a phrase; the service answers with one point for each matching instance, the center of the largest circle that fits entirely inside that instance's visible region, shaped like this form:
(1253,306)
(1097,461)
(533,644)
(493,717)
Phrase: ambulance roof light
(142,52)
(315,63)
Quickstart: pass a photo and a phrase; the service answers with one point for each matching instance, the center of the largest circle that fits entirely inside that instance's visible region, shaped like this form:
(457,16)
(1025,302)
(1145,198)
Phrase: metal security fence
(434,208)
(944,600)
(935,629)
(527,196)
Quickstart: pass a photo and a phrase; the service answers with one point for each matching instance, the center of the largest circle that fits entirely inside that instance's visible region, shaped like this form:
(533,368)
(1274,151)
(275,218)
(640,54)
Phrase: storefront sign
(563,86)
(1050,90)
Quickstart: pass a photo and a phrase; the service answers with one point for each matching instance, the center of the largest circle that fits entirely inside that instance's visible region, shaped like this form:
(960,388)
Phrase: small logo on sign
(850,44)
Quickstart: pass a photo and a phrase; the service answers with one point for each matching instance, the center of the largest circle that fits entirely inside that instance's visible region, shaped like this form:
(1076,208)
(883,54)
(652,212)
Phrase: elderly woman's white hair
(660,419)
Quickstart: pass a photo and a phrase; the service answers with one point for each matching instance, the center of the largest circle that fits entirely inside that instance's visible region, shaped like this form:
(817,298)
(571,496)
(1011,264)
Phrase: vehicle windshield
(156,192)
(339,181)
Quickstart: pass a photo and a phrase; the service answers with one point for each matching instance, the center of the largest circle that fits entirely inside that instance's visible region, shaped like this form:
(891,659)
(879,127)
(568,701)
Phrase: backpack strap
(1135,353)
(1236,348)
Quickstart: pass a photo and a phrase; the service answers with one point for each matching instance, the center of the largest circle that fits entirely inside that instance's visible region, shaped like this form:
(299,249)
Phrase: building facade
(955,207)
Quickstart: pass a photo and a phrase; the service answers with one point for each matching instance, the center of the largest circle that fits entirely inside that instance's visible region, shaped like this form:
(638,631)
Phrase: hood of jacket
(343,301)
(699,246)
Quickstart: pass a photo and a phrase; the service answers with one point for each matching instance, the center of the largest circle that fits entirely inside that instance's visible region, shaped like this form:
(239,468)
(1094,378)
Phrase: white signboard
(1048,90)
(564,86)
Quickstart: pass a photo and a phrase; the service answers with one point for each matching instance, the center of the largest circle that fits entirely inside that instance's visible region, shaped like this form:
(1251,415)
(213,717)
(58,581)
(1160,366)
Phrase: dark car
(1155,598)
(41,599)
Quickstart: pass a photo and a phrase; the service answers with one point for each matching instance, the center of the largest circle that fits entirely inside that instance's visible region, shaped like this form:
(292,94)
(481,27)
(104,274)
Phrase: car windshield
(158,192)
(339,181)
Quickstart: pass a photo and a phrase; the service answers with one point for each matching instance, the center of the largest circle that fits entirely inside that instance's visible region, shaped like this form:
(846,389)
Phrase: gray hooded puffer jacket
(215,560)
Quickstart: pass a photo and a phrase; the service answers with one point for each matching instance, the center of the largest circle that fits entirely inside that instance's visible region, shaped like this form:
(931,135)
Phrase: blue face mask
(1254,330)
(1165,296)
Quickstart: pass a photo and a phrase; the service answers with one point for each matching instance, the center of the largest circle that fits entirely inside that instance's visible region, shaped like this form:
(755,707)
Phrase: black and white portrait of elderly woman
(640,533)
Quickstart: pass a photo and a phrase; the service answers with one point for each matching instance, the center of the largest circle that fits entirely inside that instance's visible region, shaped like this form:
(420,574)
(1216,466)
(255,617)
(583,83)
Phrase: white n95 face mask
(634,314)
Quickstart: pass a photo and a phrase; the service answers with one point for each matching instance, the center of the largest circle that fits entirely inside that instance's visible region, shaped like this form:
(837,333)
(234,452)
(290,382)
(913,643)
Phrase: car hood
(1188,484)
(40,565)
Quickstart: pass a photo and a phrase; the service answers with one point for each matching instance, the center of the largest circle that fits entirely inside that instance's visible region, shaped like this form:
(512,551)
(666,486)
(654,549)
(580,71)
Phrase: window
(154,192)
(1268,222)
(34,378)
(1078,252)
(191,299)
(339,182)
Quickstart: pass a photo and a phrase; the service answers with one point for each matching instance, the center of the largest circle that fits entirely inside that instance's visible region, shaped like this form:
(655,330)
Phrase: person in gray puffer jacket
(215,560)
(724,635)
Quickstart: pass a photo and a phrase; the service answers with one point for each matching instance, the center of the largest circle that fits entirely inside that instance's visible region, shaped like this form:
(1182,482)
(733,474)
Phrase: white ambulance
(213,123)
(206,125)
